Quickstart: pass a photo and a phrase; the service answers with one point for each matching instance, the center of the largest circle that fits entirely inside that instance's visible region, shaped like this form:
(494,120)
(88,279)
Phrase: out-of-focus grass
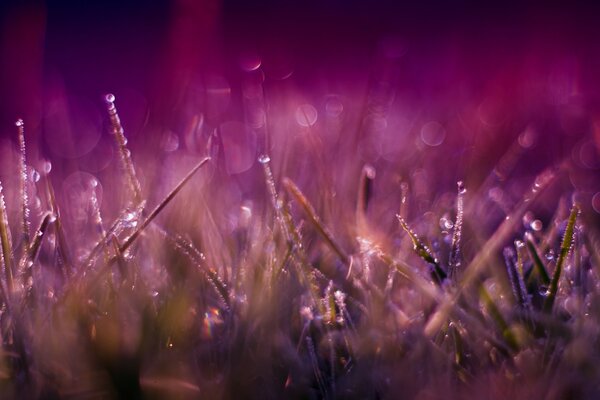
(301,294)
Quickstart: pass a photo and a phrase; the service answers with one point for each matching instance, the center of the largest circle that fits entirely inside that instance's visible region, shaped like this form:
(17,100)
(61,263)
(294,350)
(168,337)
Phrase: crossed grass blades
(292,312)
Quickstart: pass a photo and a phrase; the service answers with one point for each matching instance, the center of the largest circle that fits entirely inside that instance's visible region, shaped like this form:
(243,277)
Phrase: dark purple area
(509,64)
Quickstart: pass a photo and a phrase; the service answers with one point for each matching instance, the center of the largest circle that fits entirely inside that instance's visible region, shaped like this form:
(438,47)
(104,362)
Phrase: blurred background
(442,88)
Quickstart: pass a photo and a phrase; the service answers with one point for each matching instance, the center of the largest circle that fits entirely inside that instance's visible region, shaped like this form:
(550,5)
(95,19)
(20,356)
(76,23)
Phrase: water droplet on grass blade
(264,159)
(46,167)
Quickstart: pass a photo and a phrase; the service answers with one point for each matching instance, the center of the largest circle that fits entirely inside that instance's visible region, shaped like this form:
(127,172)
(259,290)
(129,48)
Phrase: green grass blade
(537,262)
(496,315)
(423,251)
(565,248)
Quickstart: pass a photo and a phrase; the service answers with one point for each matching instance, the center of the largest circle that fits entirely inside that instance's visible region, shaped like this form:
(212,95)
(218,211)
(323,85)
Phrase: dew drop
(446,223)
(19,123)
(52,218)
(461,187)
(433,133)
(536,225)
(264,159)
(527,138)
(306,115)
(46,167)
(109,98)
(334,107)
(34,175)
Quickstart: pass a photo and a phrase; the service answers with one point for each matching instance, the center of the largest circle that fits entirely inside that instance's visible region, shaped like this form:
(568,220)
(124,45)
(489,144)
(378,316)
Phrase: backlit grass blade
(315,219)
(454,261)
(124,154)
(482,259)
(24,194)
(6,245)
(32,252)
(423,251)
(162,205)
(565,248)
(537,262)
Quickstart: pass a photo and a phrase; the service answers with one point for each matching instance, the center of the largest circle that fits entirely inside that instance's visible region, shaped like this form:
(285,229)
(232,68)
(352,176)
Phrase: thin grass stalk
(498,318)
(6,245)
(315,220)
(424,252)
(162,205)
(454,261)
(481,260)
(537,262)
(24,193)
(565,248)
(124,153)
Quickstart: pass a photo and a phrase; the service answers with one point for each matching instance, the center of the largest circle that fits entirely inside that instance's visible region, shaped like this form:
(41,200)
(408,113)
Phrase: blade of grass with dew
(40,233)
(423,251)
(481,260)
(454,261)
(288,228)
(565,248)
(24,193)
(518,288)
(162,205)
(115,229)
(197,258)
(121,262)
(315,220)
(520,273)
(124,154)
(6,245)
(537,262)
(32,252)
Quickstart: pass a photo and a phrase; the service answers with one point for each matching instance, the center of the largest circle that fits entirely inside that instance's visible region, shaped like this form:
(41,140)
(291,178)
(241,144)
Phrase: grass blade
(162,205)
(6,242)
(454,261)
(125,155)
(23,184)
(498,318)
(423,251)
(565,248)
(537,262)
(314,218)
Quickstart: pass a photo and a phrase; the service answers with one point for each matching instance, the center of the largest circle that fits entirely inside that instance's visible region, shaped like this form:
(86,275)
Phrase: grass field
(281,264)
